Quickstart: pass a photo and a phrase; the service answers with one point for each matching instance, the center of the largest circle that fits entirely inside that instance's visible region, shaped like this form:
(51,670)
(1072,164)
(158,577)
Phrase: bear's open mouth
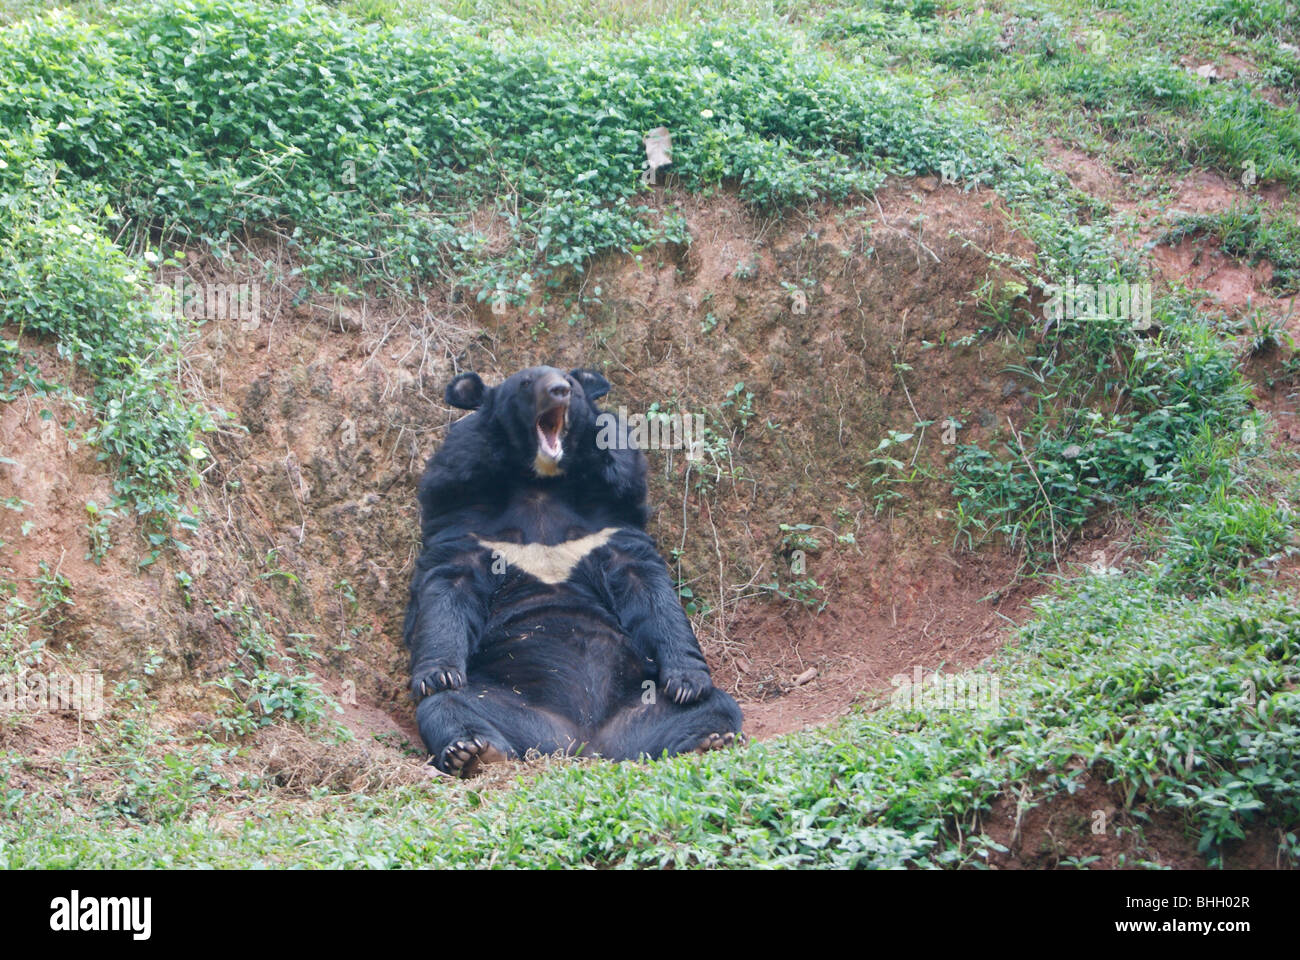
(550,431)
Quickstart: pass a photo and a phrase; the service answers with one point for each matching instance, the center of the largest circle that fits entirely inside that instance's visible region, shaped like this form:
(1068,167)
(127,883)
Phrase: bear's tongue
(549,426)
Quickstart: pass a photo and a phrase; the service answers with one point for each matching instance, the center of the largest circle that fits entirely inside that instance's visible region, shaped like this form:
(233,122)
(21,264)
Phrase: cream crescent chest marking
(551,565)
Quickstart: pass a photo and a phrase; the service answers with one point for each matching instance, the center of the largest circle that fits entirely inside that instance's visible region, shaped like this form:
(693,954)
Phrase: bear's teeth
(551,447)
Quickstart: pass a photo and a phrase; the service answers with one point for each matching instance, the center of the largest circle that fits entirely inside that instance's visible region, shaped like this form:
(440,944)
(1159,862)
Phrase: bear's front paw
(685,686)
(431,680)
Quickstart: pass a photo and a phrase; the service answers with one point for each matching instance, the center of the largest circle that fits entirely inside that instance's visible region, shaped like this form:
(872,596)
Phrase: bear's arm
(444,620)
(640,593)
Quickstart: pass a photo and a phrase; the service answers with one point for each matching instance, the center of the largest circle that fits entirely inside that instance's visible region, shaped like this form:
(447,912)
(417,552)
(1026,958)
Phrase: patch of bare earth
(1197,262)
(1230,284)
(1091,828)
(1086,173)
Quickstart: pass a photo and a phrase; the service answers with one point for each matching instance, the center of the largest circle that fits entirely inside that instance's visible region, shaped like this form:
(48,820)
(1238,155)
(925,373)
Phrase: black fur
(499,656)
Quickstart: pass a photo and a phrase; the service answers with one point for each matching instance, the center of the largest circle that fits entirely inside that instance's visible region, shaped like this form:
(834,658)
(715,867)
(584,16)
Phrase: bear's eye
(526,382)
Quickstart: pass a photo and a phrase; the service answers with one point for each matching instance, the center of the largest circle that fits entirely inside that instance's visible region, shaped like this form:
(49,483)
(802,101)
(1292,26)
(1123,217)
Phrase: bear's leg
(648,730)
(464,729)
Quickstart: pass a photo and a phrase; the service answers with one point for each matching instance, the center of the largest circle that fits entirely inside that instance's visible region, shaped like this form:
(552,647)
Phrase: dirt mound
(842,325)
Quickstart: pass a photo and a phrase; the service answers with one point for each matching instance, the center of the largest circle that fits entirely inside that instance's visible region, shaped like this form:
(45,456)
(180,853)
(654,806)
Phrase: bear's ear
(466,391)
(593,384)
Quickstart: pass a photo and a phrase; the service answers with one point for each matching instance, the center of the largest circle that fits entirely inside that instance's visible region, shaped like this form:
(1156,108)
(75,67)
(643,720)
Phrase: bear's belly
(557,647)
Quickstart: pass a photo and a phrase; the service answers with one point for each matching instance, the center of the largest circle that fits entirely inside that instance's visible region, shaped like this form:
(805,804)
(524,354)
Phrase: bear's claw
(432,681)
(463,758)
(686,686)
(718,741)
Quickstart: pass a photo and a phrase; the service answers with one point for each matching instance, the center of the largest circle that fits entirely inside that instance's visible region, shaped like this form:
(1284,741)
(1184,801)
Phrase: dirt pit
(803,342)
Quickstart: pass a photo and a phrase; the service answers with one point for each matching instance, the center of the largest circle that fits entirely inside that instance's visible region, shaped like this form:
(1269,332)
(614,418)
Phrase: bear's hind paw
(719,741)
(464,758)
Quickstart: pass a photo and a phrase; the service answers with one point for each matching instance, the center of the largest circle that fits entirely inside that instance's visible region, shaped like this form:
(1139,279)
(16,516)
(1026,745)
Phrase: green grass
(1250,17)
(61,277)
(1114,84)
(1179,395)
(391,137)
(1185,705)
(1227,542)
(536,17)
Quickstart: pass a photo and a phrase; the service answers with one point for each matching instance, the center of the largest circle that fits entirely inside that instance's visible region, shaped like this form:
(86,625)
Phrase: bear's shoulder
(460,473)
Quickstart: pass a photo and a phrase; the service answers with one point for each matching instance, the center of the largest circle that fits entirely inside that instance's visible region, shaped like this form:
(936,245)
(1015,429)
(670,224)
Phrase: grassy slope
(1184,703)
(1166,680)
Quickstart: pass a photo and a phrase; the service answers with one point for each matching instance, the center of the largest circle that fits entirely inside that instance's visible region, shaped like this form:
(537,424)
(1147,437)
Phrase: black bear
(541,614)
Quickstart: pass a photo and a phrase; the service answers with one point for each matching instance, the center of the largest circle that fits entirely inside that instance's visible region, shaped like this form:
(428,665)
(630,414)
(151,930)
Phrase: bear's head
(546,417)
(538,428)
